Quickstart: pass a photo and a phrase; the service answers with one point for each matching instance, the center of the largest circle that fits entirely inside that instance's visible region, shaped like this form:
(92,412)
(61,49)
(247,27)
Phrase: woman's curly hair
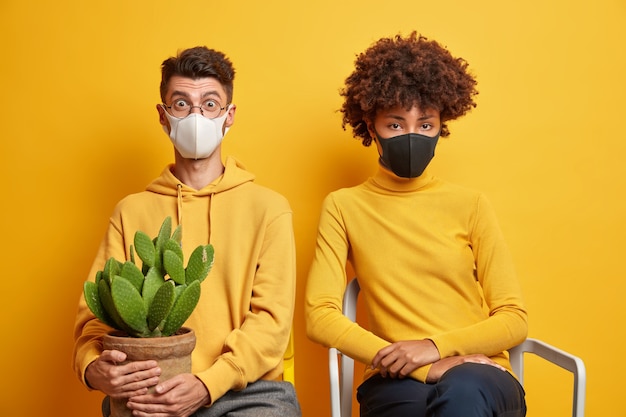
(406,72)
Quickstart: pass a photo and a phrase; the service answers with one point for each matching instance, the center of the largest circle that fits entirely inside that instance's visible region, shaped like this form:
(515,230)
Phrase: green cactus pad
(112,267)
(178,290)
(159,243)
(173,264)
(133,274)
(90,291)
(129,304)
(161,305)
(200,263)
(182,308)
(178,234)
(174,246)
(145,248)
(106,299)
(151,285)
(165,232)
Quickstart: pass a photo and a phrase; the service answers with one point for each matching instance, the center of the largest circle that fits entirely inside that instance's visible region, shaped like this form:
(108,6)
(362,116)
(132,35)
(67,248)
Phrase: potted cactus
(148,305)
(156,299)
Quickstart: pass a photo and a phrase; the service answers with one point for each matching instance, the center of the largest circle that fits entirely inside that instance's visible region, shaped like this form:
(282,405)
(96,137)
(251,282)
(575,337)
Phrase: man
(243,320)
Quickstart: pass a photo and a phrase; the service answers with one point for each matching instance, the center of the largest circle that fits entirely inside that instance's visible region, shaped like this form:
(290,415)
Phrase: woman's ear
(371,129)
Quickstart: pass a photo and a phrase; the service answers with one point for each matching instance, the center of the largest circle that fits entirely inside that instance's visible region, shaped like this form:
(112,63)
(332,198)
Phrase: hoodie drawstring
(179,197)
(210,208)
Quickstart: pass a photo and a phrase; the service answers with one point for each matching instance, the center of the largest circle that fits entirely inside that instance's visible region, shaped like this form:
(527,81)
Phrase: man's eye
(211,104)
(181,104)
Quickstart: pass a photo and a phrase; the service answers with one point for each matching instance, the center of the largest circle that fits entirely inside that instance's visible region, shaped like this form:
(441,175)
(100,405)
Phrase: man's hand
(441,366)
(399,359)
(179,396)
(121,381)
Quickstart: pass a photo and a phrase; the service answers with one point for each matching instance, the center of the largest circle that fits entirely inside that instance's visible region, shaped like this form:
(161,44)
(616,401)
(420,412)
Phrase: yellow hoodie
(431,262)
(245,312)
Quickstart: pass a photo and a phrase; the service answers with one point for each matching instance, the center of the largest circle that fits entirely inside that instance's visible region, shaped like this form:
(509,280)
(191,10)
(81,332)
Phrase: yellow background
(546,144)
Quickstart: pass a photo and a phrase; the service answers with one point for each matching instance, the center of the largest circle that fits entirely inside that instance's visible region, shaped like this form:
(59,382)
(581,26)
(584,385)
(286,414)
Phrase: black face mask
(408,155)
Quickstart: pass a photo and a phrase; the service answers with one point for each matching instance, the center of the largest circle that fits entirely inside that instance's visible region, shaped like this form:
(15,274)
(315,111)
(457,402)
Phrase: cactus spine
(158,298)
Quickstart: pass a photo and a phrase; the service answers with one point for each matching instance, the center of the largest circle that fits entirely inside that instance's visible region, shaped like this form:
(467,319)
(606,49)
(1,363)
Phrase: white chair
(342,376)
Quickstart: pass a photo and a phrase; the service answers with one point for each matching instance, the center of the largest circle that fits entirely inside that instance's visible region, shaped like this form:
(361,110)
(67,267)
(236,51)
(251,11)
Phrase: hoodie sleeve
(88,331)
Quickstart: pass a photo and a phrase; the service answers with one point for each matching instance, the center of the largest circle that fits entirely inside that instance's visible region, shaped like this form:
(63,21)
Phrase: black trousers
(467,390)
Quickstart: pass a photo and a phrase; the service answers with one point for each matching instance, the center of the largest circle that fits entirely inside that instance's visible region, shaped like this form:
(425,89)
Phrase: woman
(436,277)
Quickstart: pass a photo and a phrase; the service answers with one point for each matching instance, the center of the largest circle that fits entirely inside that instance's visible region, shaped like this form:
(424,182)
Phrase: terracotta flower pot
(173,354)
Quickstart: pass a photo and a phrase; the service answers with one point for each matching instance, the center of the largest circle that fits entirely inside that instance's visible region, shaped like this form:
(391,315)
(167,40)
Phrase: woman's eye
(394,126)
(426,126)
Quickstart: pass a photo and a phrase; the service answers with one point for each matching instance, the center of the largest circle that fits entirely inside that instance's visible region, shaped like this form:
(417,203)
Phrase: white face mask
(195,136)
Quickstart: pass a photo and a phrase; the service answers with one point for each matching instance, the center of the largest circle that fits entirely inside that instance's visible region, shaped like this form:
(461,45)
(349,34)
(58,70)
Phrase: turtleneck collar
(387,180)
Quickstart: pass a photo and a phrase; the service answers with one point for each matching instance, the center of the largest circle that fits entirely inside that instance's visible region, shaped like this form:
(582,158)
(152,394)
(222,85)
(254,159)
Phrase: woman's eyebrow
(421,117)
(426,116)
(394,116)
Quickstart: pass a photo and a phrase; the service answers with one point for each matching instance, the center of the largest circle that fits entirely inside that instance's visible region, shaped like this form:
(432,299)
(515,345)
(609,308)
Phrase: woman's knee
(482,388)
(465,381)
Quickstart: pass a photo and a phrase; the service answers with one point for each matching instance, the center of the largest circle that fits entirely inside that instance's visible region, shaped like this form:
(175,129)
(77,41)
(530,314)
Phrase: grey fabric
(259,399)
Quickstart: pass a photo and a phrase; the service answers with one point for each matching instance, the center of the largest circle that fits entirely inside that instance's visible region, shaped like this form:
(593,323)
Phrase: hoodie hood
(167,184)
(234,175)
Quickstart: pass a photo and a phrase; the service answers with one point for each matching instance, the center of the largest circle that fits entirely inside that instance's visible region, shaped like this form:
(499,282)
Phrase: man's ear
(230,118)
(162,119)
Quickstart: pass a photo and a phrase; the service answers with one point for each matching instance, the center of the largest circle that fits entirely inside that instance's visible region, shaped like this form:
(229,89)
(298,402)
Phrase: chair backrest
(342,376)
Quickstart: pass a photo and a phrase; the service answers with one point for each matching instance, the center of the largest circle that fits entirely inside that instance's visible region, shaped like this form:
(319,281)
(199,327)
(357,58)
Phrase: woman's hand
(399,359)
(441,366)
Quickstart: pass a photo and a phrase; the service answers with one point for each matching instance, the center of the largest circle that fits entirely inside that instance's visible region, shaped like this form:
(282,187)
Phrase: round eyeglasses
(209,109)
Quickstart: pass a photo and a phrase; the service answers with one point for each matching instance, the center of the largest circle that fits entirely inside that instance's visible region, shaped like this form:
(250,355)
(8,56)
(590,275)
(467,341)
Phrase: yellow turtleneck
(432,263)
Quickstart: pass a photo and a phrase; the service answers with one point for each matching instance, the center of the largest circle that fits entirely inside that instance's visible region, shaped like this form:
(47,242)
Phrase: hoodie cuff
(222,377)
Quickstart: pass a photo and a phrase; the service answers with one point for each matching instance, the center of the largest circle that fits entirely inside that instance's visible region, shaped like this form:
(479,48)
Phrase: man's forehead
(195,86)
